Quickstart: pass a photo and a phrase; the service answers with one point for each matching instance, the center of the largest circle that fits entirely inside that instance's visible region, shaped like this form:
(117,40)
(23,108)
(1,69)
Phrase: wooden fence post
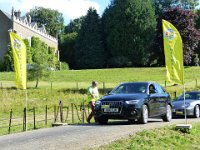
(83,111)
(46,115)
(61,112)
(174,94)
(10,121)
(72,112)
(67,114)
(55,114)
(34,123)
(24,120)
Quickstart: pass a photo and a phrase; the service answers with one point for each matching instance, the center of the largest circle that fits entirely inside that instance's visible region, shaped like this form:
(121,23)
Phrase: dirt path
(78,136)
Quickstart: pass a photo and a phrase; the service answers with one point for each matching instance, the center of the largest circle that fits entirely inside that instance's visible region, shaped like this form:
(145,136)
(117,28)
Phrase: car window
(130,88)
(198,96)
(159,89)
(190,96)
(152,89)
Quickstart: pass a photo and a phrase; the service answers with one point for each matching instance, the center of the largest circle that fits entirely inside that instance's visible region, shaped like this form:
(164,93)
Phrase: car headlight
(131,102)
(187,105)
(98,103)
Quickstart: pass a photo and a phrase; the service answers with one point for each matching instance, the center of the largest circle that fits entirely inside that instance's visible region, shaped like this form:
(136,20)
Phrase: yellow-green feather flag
(173,53)
(19,58)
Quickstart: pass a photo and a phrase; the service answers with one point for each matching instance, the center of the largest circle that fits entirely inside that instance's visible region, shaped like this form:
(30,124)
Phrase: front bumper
(181,112)
(126,112)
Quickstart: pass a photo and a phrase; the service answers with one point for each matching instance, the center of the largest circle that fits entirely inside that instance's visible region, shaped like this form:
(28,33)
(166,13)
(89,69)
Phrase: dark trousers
(92,105)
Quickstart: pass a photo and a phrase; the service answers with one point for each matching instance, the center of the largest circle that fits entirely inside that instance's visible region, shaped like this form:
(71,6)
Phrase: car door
(153,101)
(162,99)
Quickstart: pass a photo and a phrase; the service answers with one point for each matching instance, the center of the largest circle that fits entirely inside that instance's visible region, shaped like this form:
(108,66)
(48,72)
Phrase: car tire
(196,111)
(102,120)
(168,116)
(132,121)
(144,115)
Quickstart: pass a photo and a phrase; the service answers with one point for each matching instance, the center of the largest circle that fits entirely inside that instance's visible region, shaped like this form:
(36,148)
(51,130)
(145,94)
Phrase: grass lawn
(71,87)
(159,139)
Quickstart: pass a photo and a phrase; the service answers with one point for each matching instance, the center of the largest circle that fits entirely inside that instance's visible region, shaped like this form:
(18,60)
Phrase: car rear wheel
(168,116)
(132,121)
(196,111)
(102,120)
(144,115)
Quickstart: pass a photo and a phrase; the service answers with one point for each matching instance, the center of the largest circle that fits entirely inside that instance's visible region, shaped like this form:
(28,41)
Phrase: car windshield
(130,88)
(193,96)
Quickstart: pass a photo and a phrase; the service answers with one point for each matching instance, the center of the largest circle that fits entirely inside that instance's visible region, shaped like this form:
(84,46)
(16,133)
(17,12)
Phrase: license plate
(105,106)
(179,112)
(111,110)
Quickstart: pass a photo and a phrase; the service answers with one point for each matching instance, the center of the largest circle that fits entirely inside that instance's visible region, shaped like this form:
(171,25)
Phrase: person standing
(93,95)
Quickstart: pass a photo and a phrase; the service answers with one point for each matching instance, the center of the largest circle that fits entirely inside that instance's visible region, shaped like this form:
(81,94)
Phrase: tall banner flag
(173,53)
(19,58)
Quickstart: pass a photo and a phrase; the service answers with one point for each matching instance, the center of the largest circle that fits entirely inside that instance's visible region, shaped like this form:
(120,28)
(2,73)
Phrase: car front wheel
(144,115)
(168,116)
(196,111)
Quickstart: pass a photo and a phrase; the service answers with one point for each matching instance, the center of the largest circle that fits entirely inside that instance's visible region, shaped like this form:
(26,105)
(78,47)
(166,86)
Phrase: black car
(135,101)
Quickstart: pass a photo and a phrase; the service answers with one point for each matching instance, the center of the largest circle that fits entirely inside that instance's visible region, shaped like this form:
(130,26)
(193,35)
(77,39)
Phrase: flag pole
(184,104)
(26,106)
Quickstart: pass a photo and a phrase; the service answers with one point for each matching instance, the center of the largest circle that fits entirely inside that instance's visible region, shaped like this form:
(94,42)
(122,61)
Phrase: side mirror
(108,92)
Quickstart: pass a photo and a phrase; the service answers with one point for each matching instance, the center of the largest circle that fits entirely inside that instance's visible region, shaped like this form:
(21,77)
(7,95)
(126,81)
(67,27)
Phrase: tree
(161,5)
(89,51)
(129,27)
(188,4)
(67,41)
(74,25)
(67,48)
(184,21)
(8,62)
(52,19)
(40,61)
(28,52)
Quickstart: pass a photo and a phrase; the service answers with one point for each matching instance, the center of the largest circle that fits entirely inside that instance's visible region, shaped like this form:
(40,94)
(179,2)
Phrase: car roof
(193,92)
(150,82)
(140,82)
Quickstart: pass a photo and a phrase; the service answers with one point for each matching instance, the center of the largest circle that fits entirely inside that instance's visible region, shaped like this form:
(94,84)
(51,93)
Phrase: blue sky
(70,9)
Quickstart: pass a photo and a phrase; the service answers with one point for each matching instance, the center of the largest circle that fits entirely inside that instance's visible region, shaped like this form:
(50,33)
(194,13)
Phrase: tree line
(128,34)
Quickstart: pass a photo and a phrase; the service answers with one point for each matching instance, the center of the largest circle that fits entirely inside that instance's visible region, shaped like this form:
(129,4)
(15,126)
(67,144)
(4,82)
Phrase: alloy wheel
(145,113)
(196,109)
(169,112)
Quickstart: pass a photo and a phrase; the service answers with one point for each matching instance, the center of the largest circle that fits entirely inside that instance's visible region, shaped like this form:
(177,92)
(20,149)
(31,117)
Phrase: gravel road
(74,137)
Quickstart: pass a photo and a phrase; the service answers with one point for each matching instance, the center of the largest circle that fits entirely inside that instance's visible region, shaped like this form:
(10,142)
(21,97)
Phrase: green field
(112,75)
(159,139)
(71,87)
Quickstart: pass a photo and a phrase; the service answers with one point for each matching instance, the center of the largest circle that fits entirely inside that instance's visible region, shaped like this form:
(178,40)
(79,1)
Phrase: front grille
(111,107)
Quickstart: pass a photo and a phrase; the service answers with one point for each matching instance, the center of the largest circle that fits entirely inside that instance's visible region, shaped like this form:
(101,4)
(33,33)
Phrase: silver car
(192,104)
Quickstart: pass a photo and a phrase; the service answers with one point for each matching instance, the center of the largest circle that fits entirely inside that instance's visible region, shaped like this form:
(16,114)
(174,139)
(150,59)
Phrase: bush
(64,66)
(2,66)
